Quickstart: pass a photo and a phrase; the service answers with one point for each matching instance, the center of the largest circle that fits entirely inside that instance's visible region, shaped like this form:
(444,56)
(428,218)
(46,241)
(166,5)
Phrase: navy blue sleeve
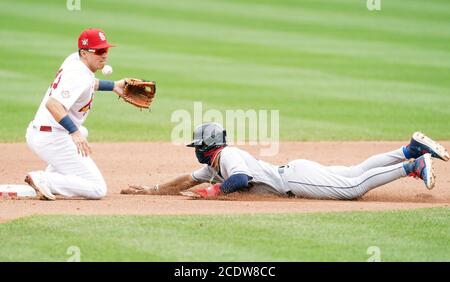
(235,182)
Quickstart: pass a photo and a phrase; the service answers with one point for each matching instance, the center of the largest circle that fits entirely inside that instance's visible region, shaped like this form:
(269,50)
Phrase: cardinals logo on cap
(93,38)
(101,35)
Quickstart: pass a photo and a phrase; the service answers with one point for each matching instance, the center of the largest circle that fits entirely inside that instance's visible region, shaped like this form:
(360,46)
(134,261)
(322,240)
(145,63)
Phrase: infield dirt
(156,162)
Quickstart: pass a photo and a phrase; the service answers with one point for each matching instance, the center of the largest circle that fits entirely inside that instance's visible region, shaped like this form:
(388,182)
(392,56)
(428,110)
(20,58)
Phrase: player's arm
(235,183)
(172,187)
(108,85)
(239,178)
(232,184)
(59,113)
(56,109)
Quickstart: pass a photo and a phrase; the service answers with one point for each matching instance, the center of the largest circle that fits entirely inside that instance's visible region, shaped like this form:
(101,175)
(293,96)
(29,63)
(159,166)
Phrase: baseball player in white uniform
(230,169)
(56,133)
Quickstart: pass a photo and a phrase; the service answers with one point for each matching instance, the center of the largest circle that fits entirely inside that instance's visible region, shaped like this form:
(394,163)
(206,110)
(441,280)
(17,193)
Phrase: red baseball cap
(93,38)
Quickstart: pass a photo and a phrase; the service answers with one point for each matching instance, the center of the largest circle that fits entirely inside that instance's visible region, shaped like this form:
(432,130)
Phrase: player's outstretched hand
(119,85)
(140,189)
(82,144)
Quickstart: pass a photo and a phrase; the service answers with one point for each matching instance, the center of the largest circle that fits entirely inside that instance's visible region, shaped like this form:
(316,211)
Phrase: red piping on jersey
(215,153)
(86,107)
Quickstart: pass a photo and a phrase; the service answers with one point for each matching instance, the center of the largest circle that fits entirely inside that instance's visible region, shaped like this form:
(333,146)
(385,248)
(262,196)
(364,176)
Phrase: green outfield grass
(415,235)
(333,69)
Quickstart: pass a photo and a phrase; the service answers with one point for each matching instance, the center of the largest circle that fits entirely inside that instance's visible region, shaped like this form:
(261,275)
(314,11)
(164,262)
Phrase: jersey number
(55,83)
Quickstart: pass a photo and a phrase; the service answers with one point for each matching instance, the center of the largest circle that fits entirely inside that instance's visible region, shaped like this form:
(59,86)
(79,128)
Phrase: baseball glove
(138,92)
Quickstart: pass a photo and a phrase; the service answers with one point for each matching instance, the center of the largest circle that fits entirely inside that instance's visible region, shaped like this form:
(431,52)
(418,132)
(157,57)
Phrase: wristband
(68,124)
(105,85)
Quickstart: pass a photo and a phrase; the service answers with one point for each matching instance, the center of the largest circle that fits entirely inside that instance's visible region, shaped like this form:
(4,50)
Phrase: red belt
(45,128)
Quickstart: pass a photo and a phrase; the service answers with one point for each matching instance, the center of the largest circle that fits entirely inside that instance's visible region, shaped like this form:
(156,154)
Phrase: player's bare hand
(82,144)
(140,189)
(119,85)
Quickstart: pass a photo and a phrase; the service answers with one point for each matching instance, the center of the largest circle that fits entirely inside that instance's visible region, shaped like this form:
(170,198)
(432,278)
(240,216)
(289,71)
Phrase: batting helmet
(209,139)
(208,134)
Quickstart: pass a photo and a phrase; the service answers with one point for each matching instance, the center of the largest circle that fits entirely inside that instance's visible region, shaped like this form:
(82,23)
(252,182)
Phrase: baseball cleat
(422,168)
(421,144)
(36,180)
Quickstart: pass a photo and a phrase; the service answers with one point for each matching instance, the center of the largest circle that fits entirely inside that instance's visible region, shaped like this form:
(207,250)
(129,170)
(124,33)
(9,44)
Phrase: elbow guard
(235,182)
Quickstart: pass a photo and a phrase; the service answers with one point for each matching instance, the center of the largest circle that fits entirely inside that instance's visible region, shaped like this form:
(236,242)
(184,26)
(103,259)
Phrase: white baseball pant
(68,173)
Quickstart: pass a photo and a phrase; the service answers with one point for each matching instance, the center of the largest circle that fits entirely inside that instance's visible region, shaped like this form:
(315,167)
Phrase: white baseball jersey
(73,87)
(68,173)
(265,176)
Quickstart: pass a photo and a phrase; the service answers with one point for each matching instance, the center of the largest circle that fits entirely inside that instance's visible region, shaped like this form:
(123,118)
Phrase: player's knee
(354,195)
(98,194)
(99,191)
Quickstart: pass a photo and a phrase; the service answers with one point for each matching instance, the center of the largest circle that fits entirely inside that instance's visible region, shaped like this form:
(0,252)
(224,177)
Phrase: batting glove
(211,191)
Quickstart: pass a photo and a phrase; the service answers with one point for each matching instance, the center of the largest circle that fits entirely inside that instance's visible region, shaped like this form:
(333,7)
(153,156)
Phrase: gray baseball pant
(312,180)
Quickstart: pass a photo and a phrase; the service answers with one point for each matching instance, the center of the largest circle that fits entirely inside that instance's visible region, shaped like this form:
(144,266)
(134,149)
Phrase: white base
(20,190)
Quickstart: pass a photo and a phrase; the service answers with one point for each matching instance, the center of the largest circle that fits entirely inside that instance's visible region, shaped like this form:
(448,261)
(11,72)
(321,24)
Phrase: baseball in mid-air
(107,70)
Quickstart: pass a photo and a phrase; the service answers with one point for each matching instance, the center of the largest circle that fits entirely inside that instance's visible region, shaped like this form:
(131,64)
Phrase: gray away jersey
(265,176)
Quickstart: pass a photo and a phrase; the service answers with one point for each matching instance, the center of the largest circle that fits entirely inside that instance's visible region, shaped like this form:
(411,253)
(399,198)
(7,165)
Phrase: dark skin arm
(172,187)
